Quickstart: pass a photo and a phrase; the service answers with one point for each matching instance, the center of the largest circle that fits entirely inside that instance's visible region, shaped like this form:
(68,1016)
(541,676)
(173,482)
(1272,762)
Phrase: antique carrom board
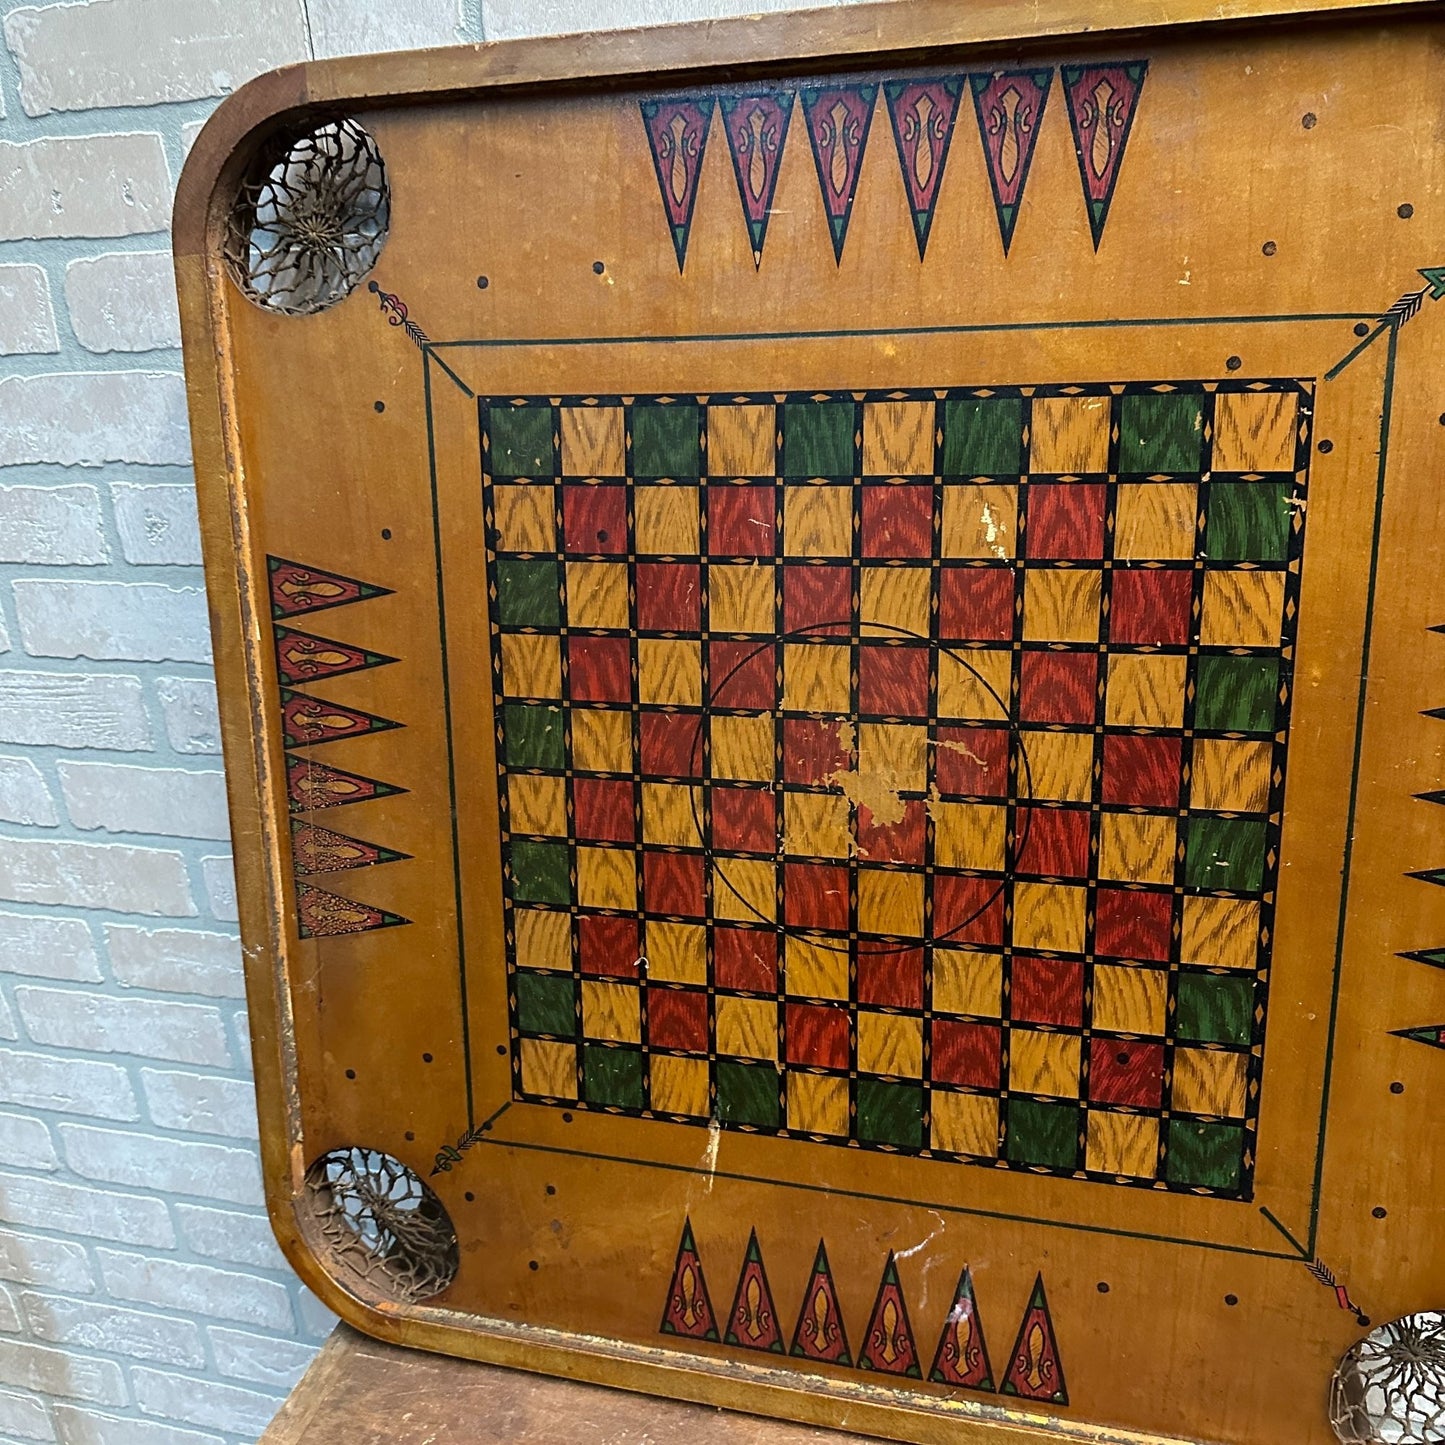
(829,654)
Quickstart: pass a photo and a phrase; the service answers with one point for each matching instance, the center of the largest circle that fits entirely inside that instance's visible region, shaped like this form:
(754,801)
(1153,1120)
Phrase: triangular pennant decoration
(753,1322)
(320,914)
(1437,796)
(311,785)
(319,850)
(300,657)
(307,720)
(1432,1034)
(757,127)
(962,1357)
(1435,957)
(888,1345)
(688,1311)
(1034,1370)
(838,118)
(677,131)
(820,1334)
(296,588)
(1430,875)
(1102,101)
(1010,108)
(923,113)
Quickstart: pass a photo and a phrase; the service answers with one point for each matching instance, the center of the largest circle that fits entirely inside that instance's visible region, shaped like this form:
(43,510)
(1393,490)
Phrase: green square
(1204,1155)
(1248,521)
(533,736)
(1237,694)
(818,439)
(547,1003)
(1224,853)
(983,438)
(748,1094)
(1161,433)
(1040,1133)
(539,873)
(528,593)
(890,1113)
(665,441)
(1215,1008)
(612,1076)
(521,441)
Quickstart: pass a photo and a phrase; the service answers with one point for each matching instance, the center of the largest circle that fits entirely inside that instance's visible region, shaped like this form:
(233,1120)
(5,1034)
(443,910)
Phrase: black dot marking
(1102,1287)
(1379,1211)
(1405,212)
(372,287)
(1309,120)
(1363,1321)
(410,1137)
(386,534)
(1122,1057)
(533,1265)
(351,1073)
(426,1058)
(1397,1087)
(378,406)
(1327,446)
(1231,1300)
(482,283)
(566,1118)
(1442,418)
(1269,248)
(501,1048)
(1233,363)
(1361,329)
(598,268)
(602,536)
(470,1197)
(551,1189)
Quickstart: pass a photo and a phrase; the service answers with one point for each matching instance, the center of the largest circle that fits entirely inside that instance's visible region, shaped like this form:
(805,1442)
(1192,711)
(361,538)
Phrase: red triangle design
(962,1357)
(820,1333)
(838,119)
(1102,101)
(888,1345)
(753,1323)
(320,914)
(308,720)
(1010,109)
(923,112)
(677,131)
(300,657)
(688,1311)
(757,127)
(311,785)
(1035,1371)
(320,850)
(296,588)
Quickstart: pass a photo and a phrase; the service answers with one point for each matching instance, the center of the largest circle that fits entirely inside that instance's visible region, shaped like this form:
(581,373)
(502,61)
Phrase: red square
(1123,1071)
(671,744)
(970,1054)
(677,1019)
(599,669)
(815,895)
(1047,991)
(594,519)
(608,946)
(744,820)
(1053,842)
(1065,520)
(967,910)
(1133,925)
(742,675)
(817,1035)
(897,520)
(741,521)
(901,842)
(815,596)
(603,810)
(1150,608)
(669,597)
(972,762)
(892,680)
(890,979)
(672,884)
(1058,687)
(746,959)
(976,604)
(812,750)
(1142,772)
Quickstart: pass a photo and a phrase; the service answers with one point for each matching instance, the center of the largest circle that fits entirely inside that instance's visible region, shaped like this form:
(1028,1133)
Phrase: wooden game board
(865,585)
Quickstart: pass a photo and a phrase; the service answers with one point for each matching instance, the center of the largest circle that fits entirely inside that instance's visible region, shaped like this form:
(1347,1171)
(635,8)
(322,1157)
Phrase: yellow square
(531,665)
(967,983)
(612,1012)
(965,1124)
(818,521)
(747,1028)
(744,888)
(815,825)
(669,672)
(816,677)
(1242,609)
(549,1069)
(894,754)
(601,741)
(814,968)
(544,940)
(975,683)
(1040,1063)
(898,438)
(890,1044)
(896,597)
(671,814)
(1130,1000)
(592,442)
(1156,521)
(1220,933)
(890,903)
(980,520)
(537,805)
(679,1086)
(526,519)
(676,952)
(607,878)
(1049,916)
(667,520)
(817,1104)
(969,835)
(743,747)
(1255,431)
(1230,775)
(1137,848)
(1060,767)
(597,595)
(742,440)
(740,599)
(1122,1144)
(1062,604)
(1210,1081)
(1145,691)
(1069,434)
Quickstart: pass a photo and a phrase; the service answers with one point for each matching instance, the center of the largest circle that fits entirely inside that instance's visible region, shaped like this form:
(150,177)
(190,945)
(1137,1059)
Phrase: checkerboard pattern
(901,769)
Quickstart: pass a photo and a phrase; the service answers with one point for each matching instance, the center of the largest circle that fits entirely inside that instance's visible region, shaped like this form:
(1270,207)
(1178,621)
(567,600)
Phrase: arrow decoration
(1010,109)
(923,112)
(296,588)
(757,128)
(677,130)
(839,118)
(1102,101)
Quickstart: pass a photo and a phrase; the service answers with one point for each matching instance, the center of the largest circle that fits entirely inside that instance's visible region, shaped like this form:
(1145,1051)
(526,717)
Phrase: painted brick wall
(142,1301)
